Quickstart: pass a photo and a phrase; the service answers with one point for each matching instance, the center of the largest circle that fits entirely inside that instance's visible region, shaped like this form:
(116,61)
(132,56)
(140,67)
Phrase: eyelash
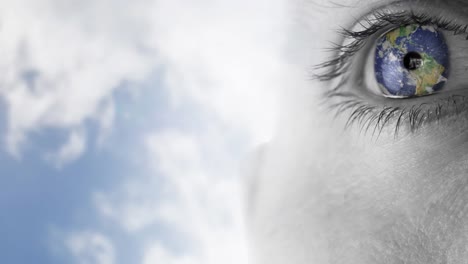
(366,115)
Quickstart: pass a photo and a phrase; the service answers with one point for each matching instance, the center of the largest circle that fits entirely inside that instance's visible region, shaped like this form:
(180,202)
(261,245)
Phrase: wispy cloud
(225,56)
(157,253)
(69,151)
(62,60)
(90,248)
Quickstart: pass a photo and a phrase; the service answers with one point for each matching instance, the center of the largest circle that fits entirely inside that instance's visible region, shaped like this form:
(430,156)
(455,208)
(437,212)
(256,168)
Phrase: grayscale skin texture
(325,194)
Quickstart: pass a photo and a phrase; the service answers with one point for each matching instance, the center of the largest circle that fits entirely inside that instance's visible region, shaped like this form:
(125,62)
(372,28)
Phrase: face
(358,172)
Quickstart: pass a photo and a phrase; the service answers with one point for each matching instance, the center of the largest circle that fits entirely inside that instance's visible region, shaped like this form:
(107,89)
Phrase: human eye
(399,67)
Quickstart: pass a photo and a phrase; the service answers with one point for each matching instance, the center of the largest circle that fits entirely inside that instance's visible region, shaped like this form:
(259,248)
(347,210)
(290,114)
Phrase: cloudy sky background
(124,126)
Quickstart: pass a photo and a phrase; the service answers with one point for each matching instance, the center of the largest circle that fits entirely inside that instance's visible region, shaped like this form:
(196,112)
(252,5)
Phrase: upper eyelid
(377,21)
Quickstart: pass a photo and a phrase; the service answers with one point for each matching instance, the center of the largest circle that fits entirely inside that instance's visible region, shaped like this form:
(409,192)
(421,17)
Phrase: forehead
(326,15)
(351,3)
(366,4)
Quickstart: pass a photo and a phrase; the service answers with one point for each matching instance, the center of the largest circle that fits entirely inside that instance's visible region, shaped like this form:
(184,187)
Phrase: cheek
(328,195)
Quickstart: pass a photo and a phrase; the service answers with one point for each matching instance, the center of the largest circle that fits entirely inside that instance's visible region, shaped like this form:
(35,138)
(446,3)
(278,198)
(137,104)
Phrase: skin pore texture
(323,193)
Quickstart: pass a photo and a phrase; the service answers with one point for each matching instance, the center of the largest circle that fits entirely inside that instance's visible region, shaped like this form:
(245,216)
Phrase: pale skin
(324,193)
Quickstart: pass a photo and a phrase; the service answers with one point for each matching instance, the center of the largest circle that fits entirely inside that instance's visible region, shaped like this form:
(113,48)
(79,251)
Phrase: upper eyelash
(338,65)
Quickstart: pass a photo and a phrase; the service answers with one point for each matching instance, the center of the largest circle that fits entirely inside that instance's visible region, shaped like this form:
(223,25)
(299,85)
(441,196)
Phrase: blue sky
(124,127)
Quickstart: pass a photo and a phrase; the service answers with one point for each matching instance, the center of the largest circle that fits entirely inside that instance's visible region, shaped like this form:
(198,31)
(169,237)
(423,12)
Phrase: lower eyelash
(374,119)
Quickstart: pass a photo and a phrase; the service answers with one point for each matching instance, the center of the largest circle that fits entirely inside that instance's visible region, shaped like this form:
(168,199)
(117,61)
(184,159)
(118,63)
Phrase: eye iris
(411,61)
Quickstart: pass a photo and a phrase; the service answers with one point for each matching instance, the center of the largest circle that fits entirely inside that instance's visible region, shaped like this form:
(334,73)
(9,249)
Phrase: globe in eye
(411,61)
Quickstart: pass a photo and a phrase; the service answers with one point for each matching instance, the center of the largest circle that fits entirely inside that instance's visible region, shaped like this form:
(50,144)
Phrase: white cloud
(136,211)
(105,118)
(90,248)
(62,59)
(69,151)
(225,56)
(156,254)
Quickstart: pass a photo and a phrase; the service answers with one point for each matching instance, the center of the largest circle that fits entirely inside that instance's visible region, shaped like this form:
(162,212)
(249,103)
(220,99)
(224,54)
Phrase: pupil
(412,61)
